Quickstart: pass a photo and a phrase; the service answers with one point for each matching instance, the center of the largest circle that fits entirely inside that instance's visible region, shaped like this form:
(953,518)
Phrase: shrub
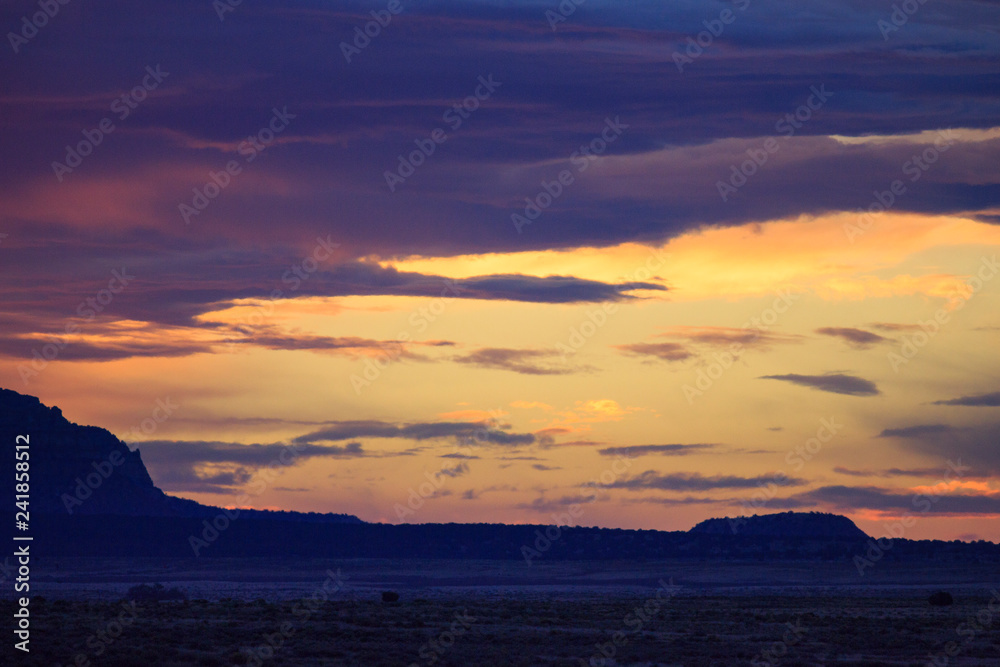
(390,596)
(940,599)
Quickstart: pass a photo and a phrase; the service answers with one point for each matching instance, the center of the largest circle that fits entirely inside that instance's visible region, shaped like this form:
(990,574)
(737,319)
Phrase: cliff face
(85,470)
(78,469)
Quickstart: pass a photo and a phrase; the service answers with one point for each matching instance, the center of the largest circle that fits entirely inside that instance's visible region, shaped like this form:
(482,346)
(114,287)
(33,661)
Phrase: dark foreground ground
(501,613)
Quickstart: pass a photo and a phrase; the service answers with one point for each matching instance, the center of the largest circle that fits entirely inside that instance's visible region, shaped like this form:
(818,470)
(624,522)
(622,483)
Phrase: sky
(496,261)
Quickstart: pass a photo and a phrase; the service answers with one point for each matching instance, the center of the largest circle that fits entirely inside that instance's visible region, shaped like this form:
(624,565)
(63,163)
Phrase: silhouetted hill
(784,524)
(62,535)
(116,510)
(85,470)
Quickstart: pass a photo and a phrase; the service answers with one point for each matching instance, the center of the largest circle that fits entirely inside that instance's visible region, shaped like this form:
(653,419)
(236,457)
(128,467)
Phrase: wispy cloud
(858,338)
(680,481)
(853,498)
(991,400)
(525,362)
(224,467)
(920,430)
(835,383)
(469,432)
(663,450)
(661,351)
(725,337)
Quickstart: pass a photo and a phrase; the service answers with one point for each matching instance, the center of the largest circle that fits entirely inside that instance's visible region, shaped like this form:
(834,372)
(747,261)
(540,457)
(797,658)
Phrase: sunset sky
(668,261)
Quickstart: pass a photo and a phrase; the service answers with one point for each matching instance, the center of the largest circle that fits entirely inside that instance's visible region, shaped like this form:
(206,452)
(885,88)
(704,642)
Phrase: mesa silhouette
(119,511)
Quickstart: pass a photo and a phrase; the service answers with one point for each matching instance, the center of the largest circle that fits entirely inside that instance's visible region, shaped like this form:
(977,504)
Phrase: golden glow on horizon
(976,487)
(964,135)
(752,260)
(898,271)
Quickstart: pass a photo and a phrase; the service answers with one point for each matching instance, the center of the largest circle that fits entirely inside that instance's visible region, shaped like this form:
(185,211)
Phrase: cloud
(473,494)
(526,362)
(991,400)
(688,500)
(455,471)
(352,346)
(228,481)
(465,432)
(322,175)
(835,383)
(197,466)
(918,431)
(974,445)
(583,415)
(858,338)
(895,472)
(698,482)
(180,452)
(664,168)
(712,337)
(543,504)
(171,315)
(662,351)
(892,326)
(551,289)
(644,450)
(726,337)
(847,498)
